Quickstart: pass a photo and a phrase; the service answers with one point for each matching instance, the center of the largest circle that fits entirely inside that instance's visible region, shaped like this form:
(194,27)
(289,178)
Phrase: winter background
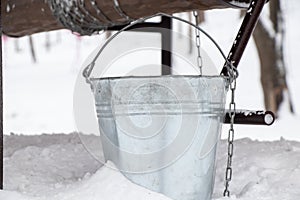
(44,157)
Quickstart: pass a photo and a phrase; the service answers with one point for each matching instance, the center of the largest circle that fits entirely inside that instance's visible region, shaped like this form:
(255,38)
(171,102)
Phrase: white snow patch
(57,167)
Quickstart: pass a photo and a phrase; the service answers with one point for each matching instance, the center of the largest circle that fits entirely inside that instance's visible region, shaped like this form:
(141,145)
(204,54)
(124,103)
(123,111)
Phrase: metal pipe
(247,117)
(244,34)
(1,110)
(166,45)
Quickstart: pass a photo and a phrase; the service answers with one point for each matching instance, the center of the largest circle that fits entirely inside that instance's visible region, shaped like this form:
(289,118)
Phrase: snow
(38,99)
(56,167)
(60,168)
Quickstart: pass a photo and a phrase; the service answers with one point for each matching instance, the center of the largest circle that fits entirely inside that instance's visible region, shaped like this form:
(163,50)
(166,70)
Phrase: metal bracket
(166,39)
(244,34)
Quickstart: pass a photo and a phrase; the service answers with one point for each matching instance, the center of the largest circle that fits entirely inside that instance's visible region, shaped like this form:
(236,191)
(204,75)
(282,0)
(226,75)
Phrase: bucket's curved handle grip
(89,68)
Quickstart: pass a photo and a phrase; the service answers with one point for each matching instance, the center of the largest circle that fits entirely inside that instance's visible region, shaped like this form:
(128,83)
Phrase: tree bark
(25,17)
(270,50)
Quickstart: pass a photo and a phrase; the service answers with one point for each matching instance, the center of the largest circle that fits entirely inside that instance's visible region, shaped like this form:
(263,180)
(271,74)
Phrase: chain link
(198,43)
(120,11)
(230,140)
(76,16)
(232,107)
(101,13)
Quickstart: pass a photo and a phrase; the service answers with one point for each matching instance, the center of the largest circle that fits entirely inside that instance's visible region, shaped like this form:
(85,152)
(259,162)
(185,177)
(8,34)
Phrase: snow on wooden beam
(26,17)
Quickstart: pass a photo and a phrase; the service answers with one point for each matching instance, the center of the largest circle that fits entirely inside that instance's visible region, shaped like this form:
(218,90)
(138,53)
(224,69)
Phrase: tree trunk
(17,46)
(47,42)
(25,17)
(270,50)
(32,51)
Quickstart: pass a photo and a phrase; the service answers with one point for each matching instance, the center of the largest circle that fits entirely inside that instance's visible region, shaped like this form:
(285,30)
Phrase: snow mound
(106,184)
(58,167)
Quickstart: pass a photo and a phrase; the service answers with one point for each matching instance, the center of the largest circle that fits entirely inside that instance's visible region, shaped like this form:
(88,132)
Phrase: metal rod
(244,34)
(247,117)
(166,46)
(138,26)
(1,111)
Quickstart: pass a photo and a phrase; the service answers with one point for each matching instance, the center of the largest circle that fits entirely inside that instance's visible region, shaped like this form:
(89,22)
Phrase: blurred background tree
(269,39)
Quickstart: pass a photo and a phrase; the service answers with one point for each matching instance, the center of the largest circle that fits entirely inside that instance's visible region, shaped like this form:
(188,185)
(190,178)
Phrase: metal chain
(100,12)
(232,111)
(198,43)
(120,11)
(75,15)
(86,14)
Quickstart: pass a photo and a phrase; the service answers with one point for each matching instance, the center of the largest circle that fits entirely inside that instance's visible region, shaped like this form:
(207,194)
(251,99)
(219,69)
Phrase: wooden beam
(26,17)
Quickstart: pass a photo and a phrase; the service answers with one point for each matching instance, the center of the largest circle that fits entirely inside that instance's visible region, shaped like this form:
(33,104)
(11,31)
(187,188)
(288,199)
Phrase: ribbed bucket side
(162,132)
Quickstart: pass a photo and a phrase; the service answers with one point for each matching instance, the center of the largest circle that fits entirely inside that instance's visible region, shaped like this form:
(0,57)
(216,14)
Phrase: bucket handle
(233,73)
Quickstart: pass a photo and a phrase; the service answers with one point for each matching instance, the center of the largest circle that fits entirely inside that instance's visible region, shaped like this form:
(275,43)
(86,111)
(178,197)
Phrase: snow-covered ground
(57,167)
(38,99)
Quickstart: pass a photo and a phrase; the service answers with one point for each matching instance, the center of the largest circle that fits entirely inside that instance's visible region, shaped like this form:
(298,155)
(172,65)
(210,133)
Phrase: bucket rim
(159,77)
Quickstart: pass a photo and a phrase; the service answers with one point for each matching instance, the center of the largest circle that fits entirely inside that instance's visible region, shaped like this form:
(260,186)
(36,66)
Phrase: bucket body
(162,132)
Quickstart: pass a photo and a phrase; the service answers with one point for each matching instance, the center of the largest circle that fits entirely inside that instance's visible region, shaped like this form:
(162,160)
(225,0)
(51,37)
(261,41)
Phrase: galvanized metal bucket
(162,132)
